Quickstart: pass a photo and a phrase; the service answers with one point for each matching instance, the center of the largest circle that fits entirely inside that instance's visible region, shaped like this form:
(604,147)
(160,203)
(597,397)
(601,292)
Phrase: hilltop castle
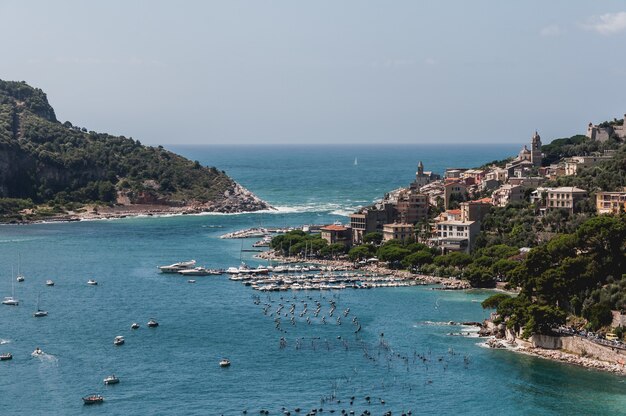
(604,131)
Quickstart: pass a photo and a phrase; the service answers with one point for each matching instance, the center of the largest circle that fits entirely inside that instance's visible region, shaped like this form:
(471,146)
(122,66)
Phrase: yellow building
(610,202)
(398,231)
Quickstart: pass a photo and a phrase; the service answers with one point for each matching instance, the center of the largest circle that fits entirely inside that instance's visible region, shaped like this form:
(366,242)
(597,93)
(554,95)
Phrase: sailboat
(39,312)
(10,300)
(20,276)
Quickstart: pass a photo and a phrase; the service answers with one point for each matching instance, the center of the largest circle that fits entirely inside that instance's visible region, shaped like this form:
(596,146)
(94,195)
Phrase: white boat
(20,276)
(196,271)
(49,283)
(135,325)
(119,340)
(191,281)
(39,313)
(225,362)
(176,267)
(152,323)
(111,380)
(38,352)
(11,300)
(92,282)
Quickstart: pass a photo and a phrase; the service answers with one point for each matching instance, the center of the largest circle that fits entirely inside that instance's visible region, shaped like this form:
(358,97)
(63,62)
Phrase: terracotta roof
(482,201)
(454,211)
(334,227)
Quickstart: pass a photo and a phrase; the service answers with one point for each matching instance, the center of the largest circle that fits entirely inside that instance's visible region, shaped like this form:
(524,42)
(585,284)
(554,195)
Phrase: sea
(406,358)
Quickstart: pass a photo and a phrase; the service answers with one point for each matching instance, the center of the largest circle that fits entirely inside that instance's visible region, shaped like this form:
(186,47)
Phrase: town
(447,212)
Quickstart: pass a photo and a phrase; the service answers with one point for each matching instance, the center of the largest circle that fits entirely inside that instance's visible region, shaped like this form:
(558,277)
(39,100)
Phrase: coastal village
(465,195)
(445,215)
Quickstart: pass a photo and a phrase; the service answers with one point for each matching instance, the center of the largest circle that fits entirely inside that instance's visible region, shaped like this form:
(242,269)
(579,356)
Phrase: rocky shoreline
(234,201)
(500,338)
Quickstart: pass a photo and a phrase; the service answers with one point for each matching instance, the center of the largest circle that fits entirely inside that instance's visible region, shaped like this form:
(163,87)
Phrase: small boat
(225,362)
(92,282)
(37,352)
(6,356)
(11,301)
(135,325)
(119,340)
(20,278)
(111,379)
(196,271)
(191,281)
(49,283)
(93,399)
(176,267)
(39,313)
(152,323)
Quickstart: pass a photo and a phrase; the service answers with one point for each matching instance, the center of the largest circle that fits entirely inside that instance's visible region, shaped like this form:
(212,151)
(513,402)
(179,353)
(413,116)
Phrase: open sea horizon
(406,357)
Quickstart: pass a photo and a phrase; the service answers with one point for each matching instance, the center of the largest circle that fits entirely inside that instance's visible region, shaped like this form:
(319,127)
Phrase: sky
(325,71)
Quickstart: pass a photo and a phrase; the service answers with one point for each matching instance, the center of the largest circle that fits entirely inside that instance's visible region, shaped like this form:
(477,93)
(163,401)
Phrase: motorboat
(93,399)
(196,271)
(11,301)
(152,323)
(49,283)
(191,281)
(119,340)
(135,325)
(225,362)
(38,352)
(92,282)
(176,267)
(111,379)
(20,278)
(6,356)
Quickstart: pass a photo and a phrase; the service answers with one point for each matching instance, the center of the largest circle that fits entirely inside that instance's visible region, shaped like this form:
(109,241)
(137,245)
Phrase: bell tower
(535,150)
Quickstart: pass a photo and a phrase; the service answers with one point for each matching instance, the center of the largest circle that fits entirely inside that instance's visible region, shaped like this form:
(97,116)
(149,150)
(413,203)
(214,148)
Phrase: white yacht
(111,380)
(119,340)
(49,282)
(92,282)
(196,271)
(11,301)
(176,267)
(225,362)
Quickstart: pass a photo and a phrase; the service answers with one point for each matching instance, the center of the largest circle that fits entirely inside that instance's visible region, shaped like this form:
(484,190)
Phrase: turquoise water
(173,369)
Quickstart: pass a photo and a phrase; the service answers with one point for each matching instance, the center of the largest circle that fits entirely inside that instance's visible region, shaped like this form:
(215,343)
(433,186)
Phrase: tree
(393,254)
(361,252)
(494,301)
(374,237)
(417,259)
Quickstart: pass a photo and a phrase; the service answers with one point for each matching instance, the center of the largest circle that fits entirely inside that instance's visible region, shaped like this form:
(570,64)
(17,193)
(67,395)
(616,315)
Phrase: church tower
(535,150)
(420,169)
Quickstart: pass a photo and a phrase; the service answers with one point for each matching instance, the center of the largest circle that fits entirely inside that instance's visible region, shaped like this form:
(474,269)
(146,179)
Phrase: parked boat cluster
(270,279)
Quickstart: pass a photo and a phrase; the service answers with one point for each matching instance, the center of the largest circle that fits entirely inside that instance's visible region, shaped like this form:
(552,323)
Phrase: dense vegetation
(42,160)
(299,243)
(582,273)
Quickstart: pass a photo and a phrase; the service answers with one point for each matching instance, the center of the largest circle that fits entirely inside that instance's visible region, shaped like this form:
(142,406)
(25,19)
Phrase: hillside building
(611,202)
(398,231)
(565,197)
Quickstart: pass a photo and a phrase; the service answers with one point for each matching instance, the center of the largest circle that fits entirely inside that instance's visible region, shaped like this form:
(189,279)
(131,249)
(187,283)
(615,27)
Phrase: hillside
(43,161)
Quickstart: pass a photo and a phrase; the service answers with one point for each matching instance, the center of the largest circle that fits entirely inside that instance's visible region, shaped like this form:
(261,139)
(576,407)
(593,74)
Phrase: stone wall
(582,346)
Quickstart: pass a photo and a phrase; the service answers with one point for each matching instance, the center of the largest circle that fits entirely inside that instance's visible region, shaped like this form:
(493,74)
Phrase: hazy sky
(322,71)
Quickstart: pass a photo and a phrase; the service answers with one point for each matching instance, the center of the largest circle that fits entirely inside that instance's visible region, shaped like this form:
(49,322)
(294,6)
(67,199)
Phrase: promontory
(54,170)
